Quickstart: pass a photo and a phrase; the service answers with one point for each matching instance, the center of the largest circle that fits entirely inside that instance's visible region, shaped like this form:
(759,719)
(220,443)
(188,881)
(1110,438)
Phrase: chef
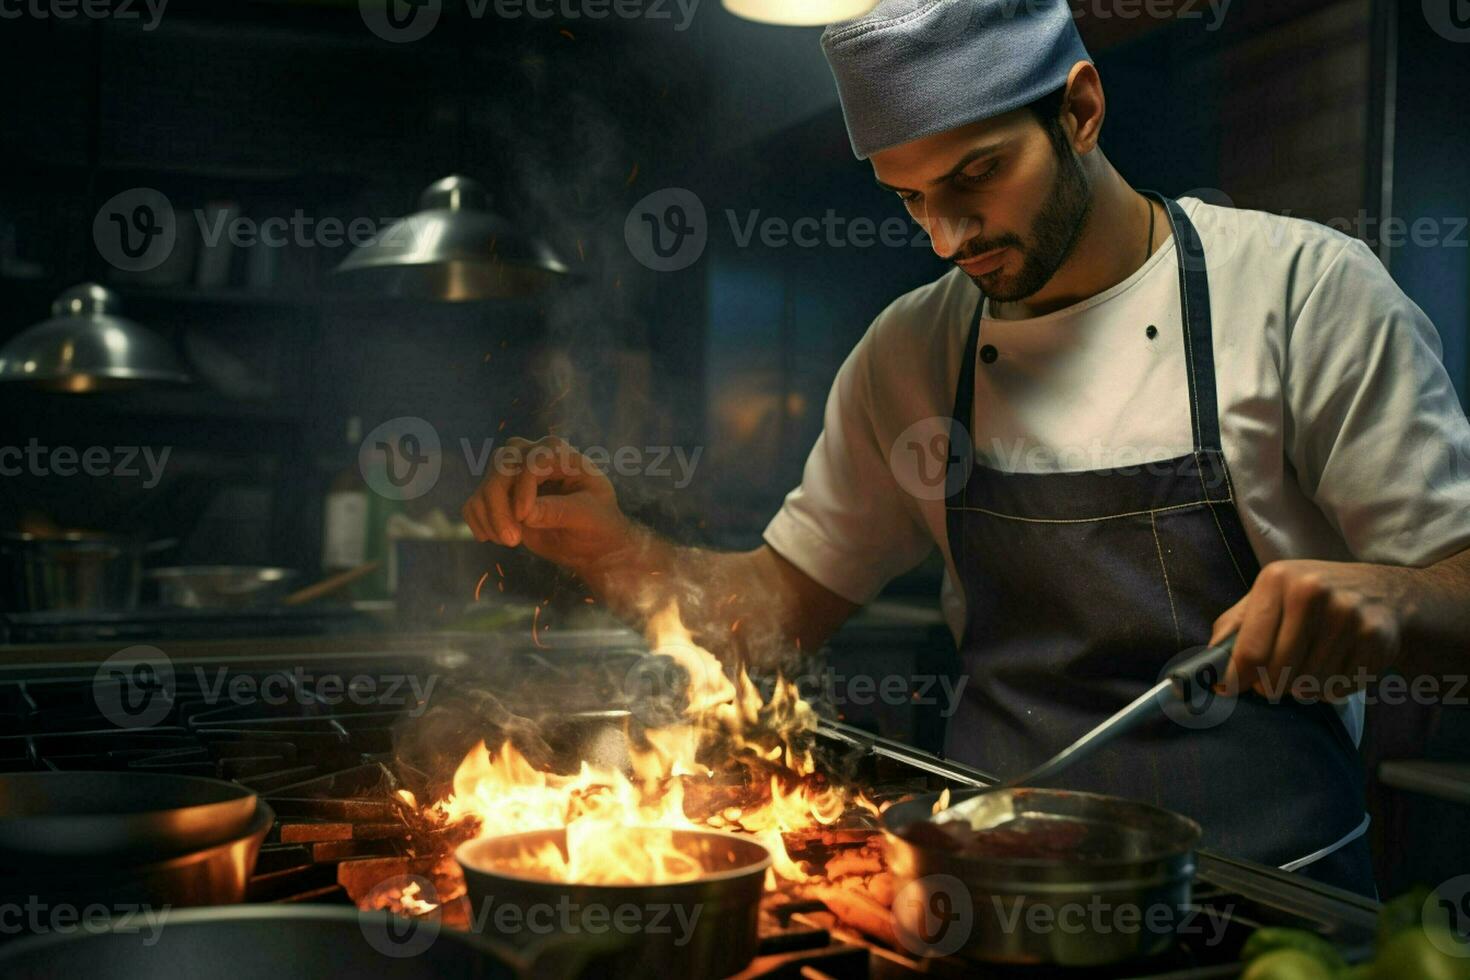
(1130,424)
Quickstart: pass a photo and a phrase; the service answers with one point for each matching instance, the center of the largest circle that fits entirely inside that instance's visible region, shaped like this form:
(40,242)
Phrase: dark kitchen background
(1348,111)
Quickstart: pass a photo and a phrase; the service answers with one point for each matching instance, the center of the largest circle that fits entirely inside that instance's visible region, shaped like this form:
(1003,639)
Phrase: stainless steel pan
(215,874)
(51,818)
(1120,895)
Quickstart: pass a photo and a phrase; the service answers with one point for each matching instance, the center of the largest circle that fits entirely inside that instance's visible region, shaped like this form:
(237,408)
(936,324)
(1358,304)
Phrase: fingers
(1304,598)
(499,510)
(1256,638)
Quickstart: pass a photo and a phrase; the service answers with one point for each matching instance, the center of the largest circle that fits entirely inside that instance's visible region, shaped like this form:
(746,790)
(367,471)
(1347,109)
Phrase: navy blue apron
(1081,586)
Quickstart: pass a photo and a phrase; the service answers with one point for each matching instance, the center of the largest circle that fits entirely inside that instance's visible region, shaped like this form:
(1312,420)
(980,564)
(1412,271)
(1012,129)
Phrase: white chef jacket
(1342,431)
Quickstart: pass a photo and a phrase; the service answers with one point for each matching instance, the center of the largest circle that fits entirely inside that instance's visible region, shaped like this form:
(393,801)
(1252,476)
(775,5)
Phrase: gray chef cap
(913,68)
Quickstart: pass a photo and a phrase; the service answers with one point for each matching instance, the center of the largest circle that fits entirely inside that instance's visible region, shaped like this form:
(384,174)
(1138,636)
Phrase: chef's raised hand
(550,498)
(1315,629)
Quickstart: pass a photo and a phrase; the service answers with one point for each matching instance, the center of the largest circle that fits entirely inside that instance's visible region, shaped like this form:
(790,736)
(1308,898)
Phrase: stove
(327,737)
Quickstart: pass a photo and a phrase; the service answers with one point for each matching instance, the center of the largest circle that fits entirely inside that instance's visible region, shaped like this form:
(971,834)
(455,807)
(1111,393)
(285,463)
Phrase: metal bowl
(705,927)
(1122,900)
(219,586)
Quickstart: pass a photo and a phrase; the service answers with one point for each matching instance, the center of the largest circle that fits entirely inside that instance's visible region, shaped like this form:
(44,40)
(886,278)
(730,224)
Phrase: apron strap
(1199,345)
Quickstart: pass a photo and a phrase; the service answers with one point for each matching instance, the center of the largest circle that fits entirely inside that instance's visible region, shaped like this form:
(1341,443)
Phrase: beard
(1053,236)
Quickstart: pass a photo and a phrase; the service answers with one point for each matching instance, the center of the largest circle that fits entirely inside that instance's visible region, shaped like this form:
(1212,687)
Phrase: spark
(567,34)
(535,620)
(634,174)
(480,585)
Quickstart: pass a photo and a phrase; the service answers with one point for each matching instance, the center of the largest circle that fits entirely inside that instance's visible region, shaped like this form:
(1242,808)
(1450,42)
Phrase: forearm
(730,602)
(1436,617)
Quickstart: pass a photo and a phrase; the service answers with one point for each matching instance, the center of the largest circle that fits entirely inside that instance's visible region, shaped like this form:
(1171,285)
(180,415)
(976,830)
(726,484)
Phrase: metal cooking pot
(706,927)
(51,818)
(1121,898)
(219,586)
(71,570)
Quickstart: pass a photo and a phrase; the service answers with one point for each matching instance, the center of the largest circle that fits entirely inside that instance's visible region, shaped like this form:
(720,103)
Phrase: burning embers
(731,760)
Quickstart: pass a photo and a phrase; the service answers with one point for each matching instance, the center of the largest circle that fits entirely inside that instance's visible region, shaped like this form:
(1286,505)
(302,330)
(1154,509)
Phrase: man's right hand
(552,499)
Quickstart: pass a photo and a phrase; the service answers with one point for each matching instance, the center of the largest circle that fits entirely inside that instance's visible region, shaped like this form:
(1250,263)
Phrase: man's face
(996,197)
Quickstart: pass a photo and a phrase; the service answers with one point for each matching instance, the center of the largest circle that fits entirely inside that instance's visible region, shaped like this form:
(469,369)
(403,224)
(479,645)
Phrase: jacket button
(988,354)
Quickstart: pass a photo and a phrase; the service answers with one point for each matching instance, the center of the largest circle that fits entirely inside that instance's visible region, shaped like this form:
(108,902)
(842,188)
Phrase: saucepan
(1064,878)
(73,570)
(702,927)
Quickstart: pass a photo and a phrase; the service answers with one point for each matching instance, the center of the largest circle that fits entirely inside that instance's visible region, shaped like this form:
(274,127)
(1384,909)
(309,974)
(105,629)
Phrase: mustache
(979,246)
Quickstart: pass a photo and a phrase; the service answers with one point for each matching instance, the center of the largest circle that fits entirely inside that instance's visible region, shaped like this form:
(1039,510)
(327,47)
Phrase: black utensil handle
(1189,672)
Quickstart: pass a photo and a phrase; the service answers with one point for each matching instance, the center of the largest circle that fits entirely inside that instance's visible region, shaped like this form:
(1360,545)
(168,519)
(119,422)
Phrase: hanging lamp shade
(87,346)
(453,249)
(799,13)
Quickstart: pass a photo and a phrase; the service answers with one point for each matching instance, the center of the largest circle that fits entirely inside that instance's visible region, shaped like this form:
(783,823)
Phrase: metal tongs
(1190,674)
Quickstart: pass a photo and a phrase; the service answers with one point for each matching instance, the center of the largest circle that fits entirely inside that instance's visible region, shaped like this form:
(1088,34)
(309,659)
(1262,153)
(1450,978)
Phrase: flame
(506,794)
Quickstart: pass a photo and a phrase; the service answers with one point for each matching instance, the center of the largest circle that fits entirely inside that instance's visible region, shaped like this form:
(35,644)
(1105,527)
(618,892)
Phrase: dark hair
(1048,112)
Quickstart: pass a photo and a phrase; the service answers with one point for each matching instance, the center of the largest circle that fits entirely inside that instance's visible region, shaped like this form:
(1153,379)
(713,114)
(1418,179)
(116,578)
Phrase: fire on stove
(728,762)
(371,801)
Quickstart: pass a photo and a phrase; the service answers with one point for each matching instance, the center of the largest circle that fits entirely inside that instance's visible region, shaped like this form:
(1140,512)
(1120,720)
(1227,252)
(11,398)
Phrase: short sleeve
(1375,430)
(850,525)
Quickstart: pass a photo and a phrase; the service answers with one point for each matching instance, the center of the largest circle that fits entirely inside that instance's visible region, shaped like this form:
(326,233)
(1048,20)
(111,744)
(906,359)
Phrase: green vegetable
(1269,939)
(1405,912)
(1363,971)
(1287,964)
(1413,955)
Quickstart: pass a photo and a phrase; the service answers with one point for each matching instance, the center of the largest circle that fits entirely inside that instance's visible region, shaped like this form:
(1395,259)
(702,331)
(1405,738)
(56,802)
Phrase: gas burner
(345,829)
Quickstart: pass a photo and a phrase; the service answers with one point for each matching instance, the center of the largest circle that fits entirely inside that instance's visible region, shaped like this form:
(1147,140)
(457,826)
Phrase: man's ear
(1083,107)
